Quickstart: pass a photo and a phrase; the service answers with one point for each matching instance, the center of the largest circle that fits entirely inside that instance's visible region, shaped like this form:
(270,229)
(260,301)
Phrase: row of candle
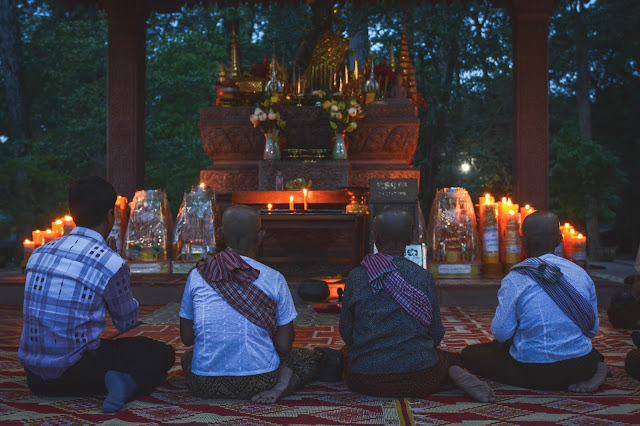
(59,227)
(574,245)
(500,230)
(305,195)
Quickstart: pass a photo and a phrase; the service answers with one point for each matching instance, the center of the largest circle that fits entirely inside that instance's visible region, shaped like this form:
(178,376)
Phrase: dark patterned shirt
(382,336)
(70,284)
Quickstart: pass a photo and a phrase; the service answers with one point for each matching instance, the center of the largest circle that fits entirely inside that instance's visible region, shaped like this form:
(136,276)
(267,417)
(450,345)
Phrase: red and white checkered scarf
(229,275)
(382,272)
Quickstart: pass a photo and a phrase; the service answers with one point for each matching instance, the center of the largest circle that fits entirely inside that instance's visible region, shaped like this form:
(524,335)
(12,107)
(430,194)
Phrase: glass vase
(269,148)
(339,149)
(276,145)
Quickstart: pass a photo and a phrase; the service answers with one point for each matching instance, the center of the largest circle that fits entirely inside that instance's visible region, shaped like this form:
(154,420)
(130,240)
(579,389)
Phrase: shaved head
(541,233)
(240,228)
(394,230)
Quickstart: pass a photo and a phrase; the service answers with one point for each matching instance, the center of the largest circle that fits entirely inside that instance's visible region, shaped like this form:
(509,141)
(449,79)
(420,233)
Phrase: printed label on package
(454,269)
(490,241)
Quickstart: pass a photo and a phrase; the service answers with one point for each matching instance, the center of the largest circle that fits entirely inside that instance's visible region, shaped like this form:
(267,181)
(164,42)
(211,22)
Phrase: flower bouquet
(343,116)
(267,117)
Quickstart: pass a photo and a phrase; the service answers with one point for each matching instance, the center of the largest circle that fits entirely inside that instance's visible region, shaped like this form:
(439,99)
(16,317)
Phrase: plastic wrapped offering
(194,234)
(148,233)
(453,238)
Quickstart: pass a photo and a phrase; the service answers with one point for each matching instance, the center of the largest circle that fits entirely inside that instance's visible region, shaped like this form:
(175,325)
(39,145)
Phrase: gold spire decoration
(392,60)
(408,71)
(273,85)
(234,62)
(367,65)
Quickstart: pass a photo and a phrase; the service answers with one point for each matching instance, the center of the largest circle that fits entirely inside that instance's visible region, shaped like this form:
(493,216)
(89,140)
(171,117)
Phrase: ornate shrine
(381,147)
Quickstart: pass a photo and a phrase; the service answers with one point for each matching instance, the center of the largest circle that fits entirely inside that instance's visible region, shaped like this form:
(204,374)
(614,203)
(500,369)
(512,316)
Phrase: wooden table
(313,238)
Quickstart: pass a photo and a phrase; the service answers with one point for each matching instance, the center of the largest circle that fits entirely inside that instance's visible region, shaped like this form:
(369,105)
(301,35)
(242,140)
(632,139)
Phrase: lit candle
(291,202)
(504,207)
(526,211)
(48,236)
(28,247)
(355,70)
(567,243)
(67,224)
(483,202)
(269,206)
(490,235)
(202,185)
(304,196)
(346,74)
(36,236)
(57,228)
(580,250)
(512,239)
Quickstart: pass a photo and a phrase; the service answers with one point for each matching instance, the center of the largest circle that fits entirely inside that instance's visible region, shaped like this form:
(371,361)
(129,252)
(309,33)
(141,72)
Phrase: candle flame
(527,206)
(508,201)
(567,225)
(572,231)
(487,198)
(68,218)
(579,236)
(202,185)
(37,231)
(58,222)
(291,198)
(269,206)
(504,199)
(304,191)
(512,212)
(27,241)
(49,231)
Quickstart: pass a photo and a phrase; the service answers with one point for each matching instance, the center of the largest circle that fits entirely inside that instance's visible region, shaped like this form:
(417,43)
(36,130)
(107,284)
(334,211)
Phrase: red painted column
(126,94)
(530,28)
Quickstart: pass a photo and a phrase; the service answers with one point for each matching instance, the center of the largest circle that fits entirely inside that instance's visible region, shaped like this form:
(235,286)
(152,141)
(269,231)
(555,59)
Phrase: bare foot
(593,383)
(287,384)
(475,388)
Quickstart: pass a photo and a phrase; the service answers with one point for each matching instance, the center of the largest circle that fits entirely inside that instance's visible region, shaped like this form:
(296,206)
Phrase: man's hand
(111,243)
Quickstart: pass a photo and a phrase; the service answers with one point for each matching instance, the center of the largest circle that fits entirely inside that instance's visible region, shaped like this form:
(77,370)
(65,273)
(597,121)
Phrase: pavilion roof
(174,5)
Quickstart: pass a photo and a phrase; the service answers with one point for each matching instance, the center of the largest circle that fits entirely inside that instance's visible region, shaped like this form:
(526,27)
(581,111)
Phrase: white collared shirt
(228,344)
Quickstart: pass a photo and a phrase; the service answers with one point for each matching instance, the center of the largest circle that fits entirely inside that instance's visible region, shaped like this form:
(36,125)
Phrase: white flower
(272,115)
(334,108)
(339,116)
(257,112)
(253,118)
(262,116)
(352,112)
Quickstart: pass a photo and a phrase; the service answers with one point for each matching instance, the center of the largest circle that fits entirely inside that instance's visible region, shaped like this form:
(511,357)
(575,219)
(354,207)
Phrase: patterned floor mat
(618,402)
(169,314)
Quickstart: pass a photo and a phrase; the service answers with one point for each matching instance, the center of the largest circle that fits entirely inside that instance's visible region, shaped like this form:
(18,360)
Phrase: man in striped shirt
(71,282)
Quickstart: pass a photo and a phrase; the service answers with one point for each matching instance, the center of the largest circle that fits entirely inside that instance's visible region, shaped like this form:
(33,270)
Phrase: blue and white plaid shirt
(70,284)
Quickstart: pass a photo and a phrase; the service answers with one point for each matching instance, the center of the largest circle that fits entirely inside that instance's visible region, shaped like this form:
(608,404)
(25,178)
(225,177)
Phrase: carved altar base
(381,147)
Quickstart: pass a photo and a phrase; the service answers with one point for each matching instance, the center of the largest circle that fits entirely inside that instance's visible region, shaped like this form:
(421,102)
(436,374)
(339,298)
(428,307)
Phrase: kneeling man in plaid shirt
(71,283)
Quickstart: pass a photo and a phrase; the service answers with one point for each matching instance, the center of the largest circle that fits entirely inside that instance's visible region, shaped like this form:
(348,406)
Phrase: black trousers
(632,363)
(493,361)
(146,360)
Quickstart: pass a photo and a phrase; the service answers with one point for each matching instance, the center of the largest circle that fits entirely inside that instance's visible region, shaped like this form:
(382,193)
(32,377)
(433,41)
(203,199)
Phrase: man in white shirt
(238,314)
(546,316)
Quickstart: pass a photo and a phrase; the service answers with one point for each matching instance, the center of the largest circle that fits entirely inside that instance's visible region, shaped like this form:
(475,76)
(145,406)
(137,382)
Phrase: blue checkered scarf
(555,284)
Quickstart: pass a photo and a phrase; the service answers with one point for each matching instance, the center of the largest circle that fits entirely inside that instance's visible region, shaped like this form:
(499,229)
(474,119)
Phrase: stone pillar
(126,94)
(530,27)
